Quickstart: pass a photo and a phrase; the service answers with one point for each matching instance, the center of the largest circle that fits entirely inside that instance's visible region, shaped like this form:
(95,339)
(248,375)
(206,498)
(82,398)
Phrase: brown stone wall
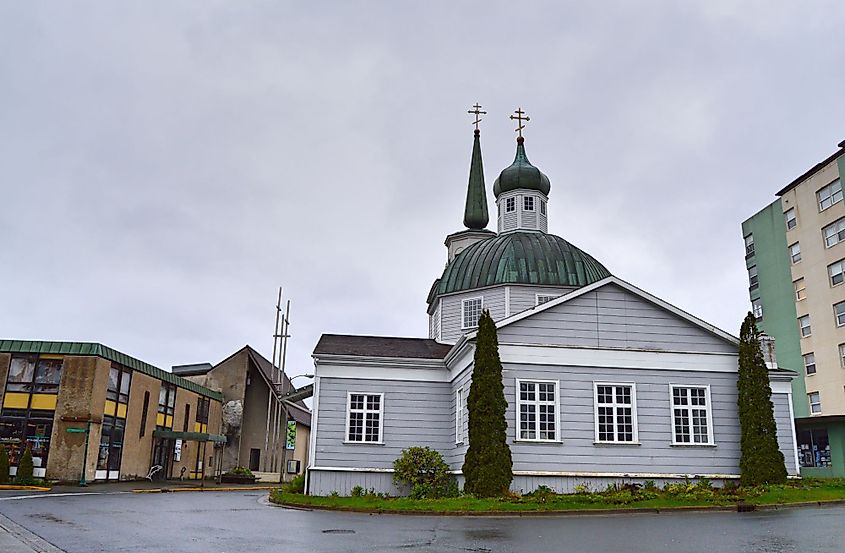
(82,396)
(229,377)
(138,450)
(5,361)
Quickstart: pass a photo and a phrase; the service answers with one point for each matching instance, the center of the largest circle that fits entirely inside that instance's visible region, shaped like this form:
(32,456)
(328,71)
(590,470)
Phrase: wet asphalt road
(242,521)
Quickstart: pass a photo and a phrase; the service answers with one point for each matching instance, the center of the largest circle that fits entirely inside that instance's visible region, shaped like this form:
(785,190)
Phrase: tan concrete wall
(137,450)
(189,449)
(229,377)
(82,396)
(5,361)
(820,295)
(254,425)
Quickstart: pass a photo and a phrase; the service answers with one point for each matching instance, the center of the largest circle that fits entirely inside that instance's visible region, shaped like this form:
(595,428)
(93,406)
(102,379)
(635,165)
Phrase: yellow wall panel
(160,419)
(50,356)
(46,402)
(168,422)
(110,408)
(197,427)
(121,410)
(16,400)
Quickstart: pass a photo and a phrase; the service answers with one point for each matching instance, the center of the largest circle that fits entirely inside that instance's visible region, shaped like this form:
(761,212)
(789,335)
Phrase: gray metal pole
(266,453)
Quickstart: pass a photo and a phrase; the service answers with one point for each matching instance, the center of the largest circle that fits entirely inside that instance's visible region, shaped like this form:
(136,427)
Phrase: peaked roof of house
(380,346)
(99,350)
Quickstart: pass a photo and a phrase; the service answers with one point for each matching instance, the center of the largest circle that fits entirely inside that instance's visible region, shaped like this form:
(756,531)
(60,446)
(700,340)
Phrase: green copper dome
(519,258)
(521,174)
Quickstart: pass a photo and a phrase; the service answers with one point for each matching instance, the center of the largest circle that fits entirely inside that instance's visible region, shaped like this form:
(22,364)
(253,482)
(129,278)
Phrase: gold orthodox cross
(477,112)
(520,116)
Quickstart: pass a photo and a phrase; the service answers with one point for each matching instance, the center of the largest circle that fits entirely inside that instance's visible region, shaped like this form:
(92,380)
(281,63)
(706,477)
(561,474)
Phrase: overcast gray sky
(165,166)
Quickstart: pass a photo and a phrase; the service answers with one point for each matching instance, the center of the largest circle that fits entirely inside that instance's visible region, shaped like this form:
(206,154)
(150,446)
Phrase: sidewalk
(14,538)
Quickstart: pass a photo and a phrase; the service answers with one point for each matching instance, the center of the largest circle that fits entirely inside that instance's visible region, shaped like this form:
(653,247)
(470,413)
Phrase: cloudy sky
(166,166)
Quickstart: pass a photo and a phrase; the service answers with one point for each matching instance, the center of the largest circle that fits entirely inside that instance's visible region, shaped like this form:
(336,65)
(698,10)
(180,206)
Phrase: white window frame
(842,355)
(800,289)
(380,412)
(537,402)
(543,207)
(809,360)
(757,308)
(839,318)
(833,233)
(829,195)
(790,217)
(464,302)
(709,408)
(812,403)
(548,298)
(510,204)
(529,203)
(459,415)
(836,271)
(801,327)
(633,405)
(749,245)
(795,252)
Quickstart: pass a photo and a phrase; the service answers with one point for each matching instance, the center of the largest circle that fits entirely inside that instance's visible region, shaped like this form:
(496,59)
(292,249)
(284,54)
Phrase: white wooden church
(604,381)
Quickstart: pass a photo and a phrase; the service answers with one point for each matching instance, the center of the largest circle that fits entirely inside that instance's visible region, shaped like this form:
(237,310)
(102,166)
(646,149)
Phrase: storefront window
(813,448)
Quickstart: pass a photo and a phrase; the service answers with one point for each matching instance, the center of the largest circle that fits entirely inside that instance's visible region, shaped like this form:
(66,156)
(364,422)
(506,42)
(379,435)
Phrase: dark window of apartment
(187,417)
(144,412)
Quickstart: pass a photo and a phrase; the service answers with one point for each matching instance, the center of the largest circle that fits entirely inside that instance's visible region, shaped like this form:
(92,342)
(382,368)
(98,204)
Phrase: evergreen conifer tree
(24,474)
(761,461)
(4,466)
(488,467)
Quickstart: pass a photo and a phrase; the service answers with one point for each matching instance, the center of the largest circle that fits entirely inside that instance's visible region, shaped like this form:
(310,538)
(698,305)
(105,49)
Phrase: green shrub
(4,466)
(425,471)
(357,491)
(25,469)
(296,485)
(240,471)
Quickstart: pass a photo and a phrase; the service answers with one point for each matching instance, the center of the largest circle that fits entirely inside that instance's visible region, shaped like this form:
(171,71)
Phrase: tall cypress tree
(761,461)
(488,468)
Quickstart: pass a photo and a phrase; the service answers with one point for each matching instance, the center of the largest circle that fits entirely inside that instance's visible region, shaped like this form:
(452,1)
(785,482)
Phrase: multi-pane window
(757,308)
(536,407)
(809,363)
(829,195)
(834,233)
(542,207)
(510,205)
(528,203)
(791,220)
(690,415)
(815,403)
(203,406)
(795,253)
(471,311)
(752,277)
(813,448)
(615,413)
(804,326)
(836,272)
(749,245)
(114,423)
(166,405)
(839,313)
(800,289)
(364,418)
(544,298)
(459,416)
(842,354)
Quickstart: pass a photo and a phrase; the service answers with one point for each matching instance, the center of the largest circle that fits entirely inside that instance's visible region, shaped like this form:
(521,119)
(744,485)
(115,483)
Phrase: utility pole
(277,412)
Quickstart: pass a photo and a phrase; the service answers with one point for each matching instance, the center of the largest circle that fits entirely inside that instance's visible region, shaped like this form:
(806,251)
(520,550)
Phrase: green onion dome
(521,174)
(519,257)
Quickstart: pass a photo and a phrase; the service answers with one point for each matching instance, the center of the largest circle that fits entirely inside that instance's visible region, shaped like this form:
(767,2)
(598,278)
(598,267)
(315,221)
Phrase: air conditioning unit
(293,466)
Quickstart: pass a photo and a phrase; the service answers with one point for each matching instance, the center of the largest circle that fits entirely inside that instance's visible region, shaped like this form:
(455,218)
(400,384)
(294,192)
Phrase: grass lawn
(674,496)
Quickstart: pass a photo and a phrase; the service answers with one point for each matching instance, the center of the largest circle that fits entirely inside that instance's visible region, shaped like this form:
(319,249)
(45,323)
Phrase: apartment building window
(537,408)
(791,220)
(800,289)
(815,403)
(795,253)
(757,309)
(749,245)
(471,310)
(834,233)
(752,277)
(842,354)
(691,415)
(364,418)
(839,313)
(809,363)
(166,406)
(835,272)
(829,195)
(804,325)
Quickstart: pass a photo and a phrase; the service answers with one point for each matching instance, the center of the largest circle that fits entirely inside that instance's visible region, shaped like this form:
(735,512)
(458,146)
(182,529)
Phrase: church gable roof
(612,313)
(380,346)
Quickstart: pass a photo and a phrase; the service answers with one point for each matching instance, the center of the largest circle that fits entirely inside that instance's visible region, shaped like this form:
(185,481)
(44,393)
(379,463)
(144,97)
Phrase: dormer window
(542,207)
(528,203)
(510,205)
(471,309)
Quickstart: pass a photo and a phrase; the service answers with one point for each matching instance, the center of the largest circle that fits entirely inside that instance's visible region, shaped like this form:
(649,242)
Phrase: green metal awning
(189,436)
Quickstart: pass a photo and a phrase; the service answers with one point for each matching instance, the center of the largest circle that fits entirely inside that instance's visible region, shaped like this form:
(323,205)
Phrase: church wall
(612,317)
(786,438)
(414,414)
(454,456)
(577,452)
(494,300)
(525,297)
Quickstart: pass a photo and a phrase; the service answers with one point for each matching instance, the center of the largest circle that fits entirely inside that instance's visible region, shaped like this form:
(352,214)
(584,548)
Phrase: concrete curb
(198,489)
(16,538)
(560,512)
(31,488)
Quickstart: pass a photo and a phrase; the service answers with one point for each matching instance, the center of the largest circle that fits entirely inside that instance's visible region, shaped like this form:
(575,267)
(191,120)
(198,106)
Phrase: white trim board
(552,473)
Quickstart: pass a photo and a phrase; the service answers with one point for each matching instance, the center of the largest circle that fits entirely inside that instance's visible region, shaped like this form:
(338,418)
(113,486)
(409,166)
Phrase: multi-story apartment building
(795,256)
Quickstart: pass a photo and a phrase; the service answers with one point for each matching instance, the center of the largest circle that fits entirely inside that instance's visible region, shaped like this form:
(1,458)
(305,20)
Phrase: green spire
(475,215)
